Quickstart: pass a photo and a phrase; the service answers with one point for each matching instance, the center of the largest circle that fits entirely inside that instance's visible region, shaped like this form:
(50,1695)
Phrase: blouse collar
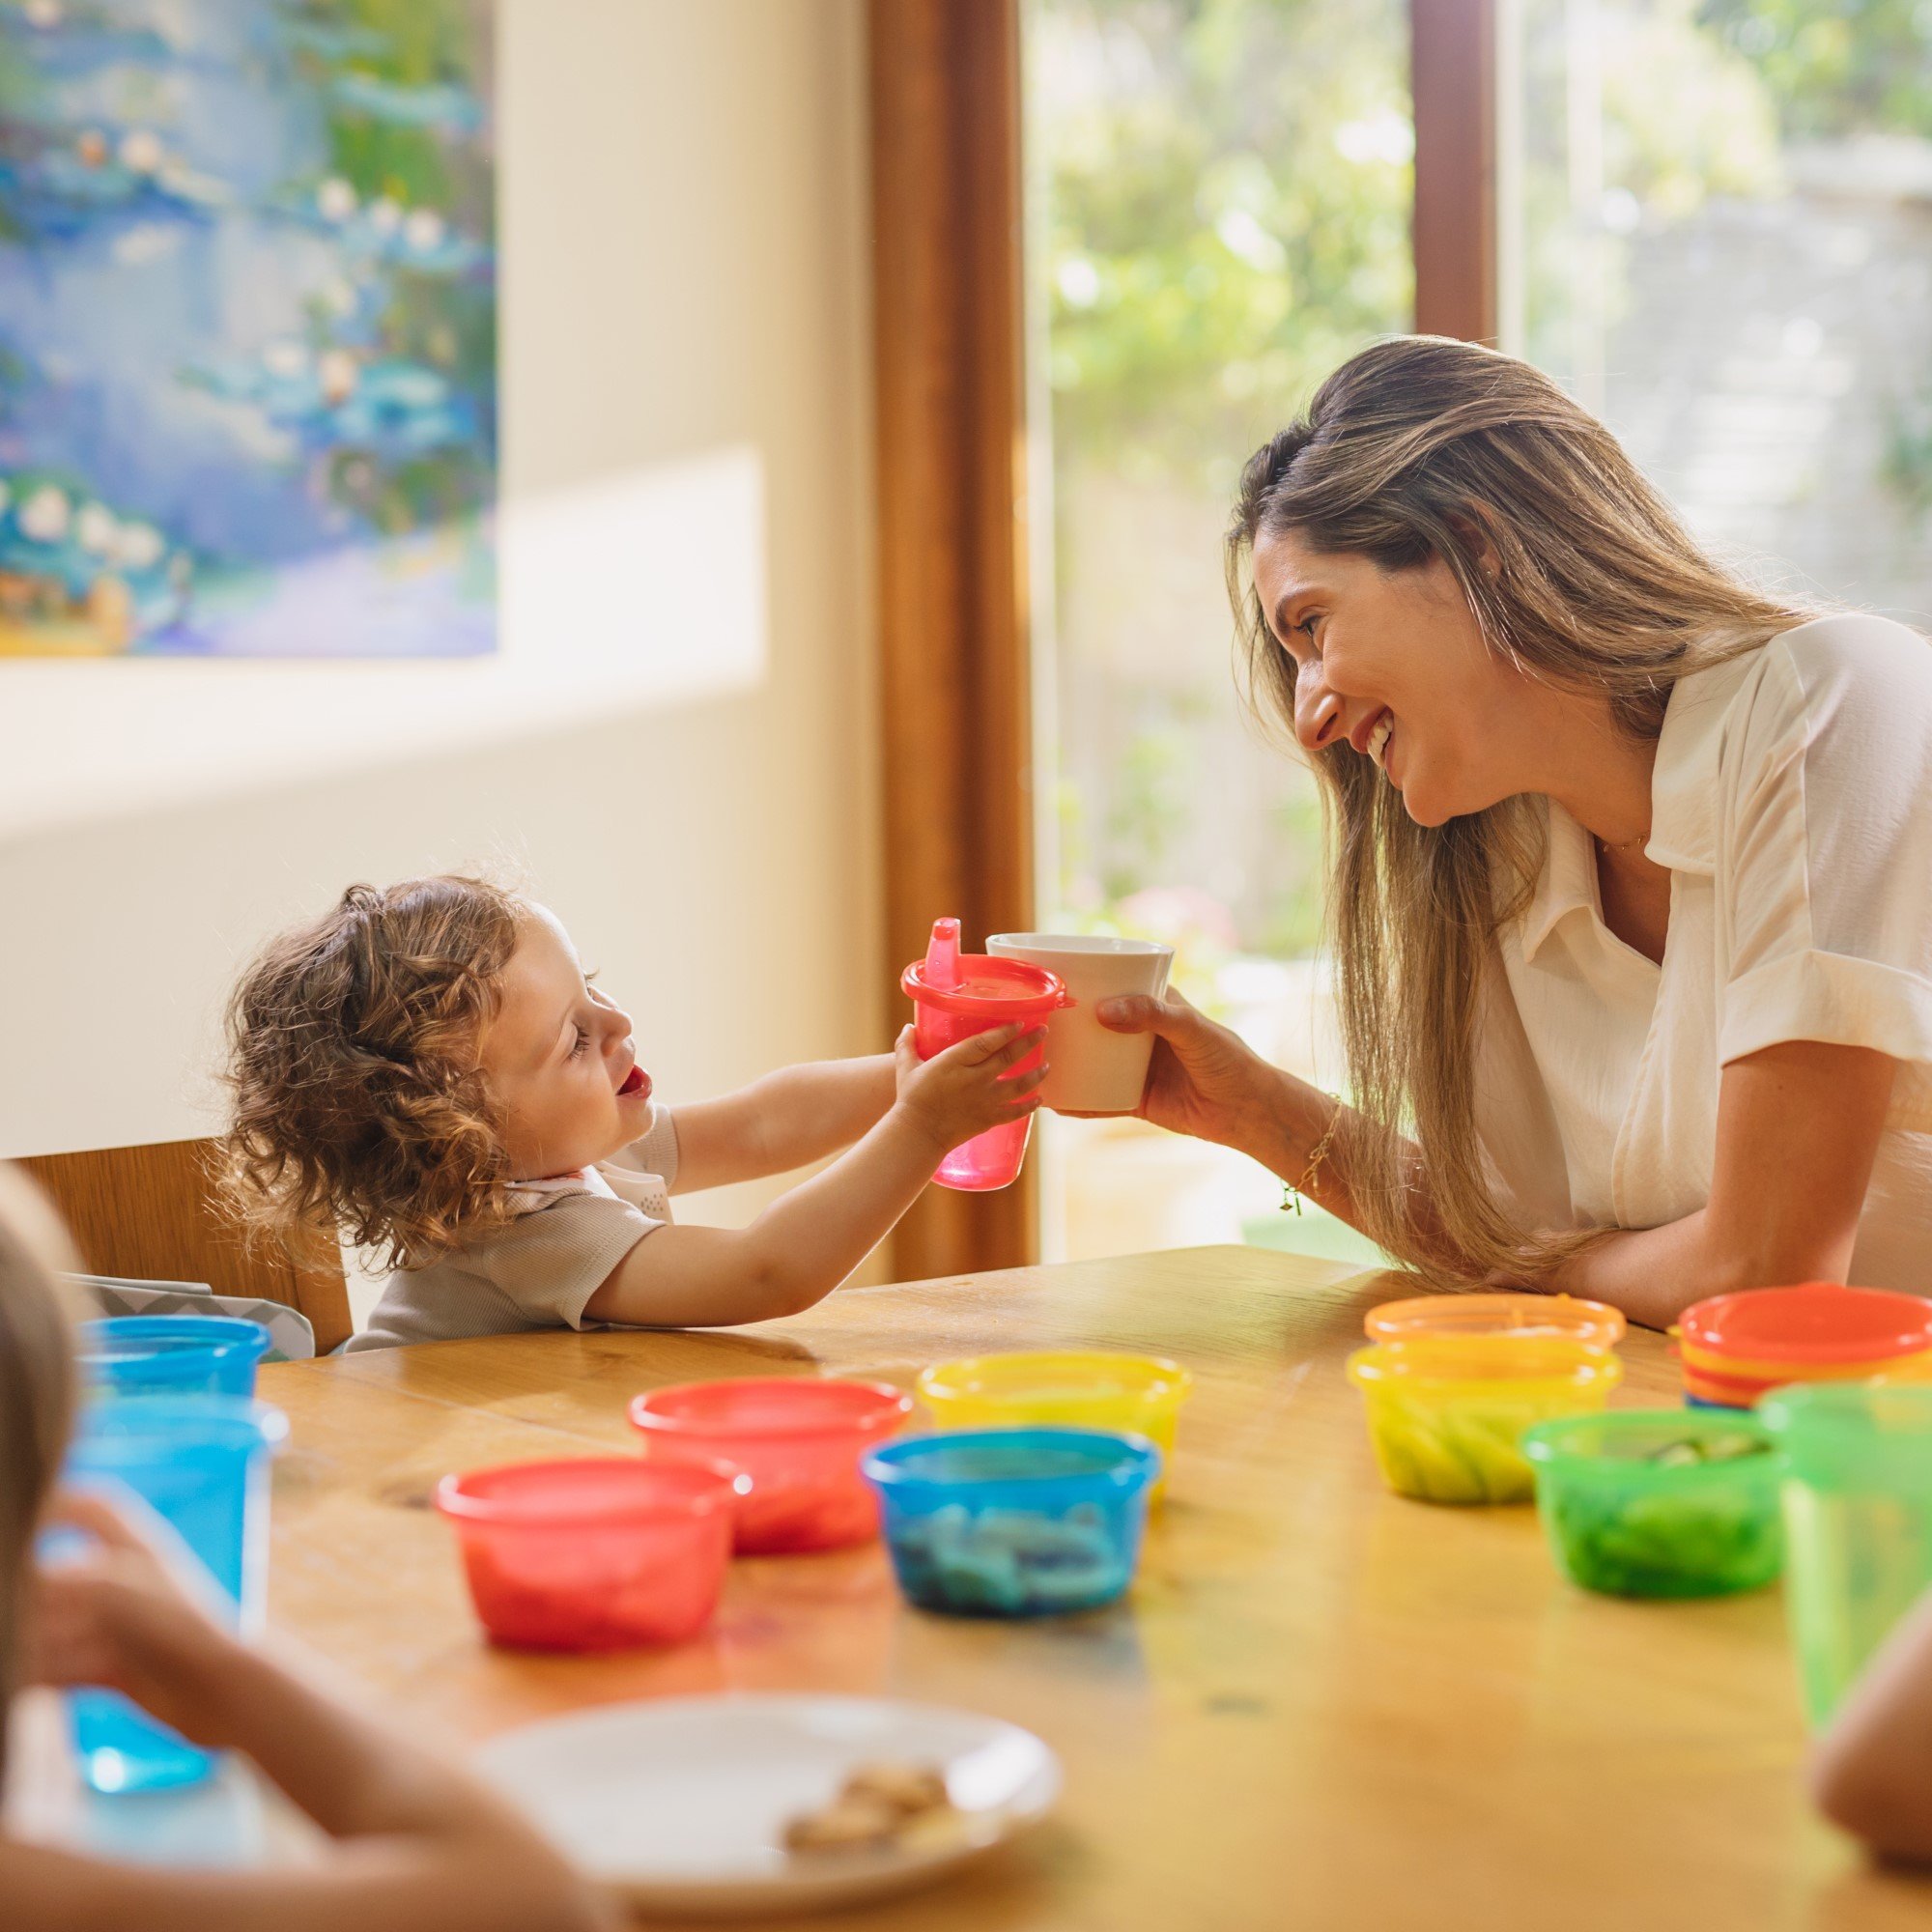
(1682,807)
(1565,884)
(1684,786)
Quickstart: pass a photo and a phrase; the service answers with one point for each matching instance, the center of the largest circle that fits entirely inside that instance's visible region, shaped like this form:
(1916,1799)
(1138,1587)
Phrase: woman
(1631,884)
(413,1844)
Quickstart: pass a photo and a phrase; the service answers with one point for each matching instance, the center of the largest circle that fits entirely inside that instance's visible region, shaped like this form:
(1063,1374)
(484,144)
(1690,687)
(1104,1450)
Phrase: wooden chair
(151,1211)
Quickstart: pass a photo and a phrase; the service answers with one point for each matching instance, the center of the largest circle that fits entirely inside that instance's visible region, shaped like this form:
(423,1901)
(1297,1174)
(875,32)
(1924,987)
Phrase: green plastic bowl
(1661,1502)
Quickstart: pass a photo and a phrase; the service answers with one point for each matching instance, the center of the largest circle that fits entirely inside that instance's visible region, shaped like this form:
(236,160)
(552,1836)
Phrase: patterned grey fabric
(292,1336)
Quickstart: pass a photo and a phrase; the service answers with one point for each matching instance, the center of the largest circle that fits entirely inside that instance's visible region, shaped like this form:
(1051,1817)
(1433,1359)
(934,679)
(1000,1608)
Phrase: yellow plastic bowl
(1445,1433)
(1140,1395)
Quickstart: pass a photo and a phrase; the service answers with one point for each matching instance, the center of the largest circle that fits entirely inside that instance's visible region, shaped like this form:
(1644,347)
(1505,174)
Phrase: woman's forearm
(1653,1274)
(1295,1122)
(1798,1131)
(1283,1128)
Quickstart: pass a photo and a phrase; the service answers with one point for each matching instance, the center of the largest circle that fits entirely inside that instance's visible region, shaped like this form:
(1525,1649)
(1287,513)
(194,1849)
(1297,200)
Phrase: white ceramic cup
(1090,1071)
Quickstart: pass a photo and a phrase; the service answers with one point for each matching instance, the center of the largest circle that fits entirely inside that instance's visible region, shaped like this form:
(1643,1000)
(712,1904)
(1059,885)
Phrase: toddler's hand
(128,1610)
(961,1092)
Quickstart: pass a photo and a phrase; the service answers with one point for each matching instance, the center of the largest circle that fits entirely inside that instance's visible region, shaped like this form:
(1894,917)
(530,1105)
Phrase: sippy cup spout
(942,955)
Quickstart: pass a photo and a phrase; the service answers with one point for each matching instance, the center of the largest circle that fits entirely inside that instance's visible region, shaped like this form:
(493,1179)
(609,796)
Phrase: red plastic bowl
(603,1553)
(798,1437)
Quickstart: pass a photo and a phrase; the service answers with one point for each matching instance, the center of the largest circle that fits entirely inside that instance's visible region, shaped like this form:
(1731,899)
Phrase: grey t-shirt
(539,1270)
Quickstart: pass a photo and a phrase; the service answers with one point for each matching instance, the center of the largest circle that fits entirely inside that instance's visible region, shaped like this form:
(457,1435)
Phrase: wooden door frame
(949,380)
(1452,83)
(949,384)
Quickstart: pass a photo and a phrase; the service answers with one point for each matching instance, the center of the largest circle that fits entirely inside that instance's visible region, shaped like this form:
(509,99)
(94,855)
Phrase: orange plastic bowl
(1456,1318)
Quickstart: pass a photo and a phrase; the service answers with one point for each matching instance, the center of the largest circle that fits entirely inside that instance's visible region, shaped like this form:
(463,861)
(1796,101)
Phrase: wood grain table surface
(1320,1707)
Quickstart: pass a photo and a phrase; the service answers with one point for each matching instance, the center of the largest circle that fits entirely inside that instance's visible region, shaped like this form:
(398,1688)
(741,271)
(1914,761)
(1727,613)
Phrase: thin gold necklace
(1628,845)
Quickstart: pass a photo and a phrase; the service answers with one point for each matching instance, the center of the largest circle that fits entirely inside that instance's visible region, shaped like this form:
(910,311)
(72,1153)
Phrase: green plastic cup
(1857,1513)
(1659,1502)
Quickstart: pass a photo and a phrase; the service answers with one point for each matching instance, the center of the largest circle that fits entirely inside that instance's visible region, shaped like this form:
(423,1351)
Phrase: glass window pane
(1722,224)
(1219,210)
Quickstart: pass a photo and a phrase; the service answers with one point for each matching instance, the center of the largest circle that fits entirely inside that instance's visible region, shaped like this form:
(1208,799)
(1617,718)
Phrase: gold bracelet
(1292,1190)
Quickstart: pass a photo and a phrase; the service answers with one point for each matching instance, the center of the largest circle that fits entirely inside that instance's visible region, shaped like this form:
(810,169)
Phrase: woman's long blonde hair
(1578,573)
(37,1398)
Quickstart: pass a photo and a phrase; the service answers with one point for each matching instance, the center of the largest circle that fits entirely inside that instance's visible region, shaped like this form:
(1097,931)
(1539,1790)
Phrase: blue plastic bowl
(202,1463)
(172,1354)
(1015,1523)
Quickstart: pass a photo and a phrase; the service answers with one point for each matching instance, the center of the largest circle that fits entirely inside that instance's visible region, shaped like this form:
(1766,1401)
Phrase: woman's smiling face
(1392,664)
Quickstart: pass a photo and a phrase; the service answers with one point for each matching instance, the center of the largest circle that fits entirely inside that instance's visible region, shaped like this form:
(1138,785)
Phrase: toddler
(427,1071)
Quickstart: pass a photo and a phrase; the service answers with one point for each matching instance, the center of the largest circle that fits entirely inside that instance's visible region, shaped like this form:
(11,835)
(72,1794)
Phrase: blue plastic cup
(171,1355)
(1015,1523)
(201,1463)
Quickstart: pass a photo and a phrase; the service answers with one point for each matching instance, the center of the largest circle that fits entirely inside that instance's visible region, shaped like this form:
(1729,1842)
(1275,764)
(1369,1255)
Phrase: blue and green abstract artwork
(247,329)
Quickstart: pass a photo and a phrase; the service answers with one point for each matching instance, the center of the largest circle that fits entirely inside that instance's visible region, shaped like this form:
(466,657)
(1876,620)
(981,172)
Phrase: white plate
(680,1804)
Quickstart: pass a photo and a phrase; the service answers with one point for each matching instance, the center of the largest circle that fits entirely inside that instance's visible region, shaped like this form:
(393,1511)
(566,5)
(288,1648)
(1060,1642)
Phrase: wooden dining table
(1320,1706)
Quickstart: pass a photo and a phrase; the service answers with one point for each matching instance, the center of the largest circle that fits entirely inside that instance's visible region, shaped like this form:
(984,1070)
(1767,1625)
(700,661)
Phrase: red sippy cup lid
(978,985)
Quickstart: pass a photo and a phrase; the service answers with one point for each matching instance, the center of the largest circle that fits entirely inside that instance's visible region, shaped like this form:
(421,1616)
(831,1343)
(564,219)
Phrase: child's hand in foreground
(971,1086)
(129,1609)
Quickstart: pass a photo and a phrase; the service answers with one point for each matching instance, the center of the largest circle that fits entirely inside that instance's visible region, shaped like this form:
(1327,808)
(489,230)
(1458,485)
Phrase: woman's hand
(1203,1080)
(124,1610)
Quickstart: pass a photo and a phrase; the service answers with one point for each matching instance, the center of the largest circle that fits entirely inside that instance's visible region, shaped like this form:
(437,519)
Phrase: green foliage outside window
(1227,191)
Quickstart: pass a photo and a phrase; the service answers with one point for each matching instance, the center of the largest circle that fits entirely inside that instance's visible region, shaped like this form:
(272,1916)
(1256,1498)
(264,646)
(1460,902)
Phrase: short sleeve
(1824,852)
(655,1149)
(551,1262)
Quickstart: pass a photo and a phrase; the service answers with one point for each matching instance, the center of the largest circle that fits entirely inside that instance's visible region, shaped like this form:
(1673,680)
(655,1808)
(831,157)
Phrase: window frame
(952,451)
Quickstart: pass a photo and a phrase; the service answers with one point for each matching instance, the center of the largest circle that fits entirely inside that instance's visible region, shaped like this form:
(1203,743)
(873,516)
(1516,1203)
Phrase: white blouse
(1792,803)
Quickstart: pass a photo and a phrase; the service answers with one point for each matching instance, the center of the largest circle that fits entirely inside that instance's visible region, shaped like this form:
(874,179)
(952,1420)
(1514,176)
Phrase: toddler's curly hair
(359,1111)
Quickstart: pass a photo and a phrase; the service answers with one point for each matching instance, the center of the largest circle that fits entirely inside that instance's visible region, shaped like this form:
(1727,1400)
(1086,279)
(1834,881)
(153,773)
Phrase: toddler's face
(559,1059)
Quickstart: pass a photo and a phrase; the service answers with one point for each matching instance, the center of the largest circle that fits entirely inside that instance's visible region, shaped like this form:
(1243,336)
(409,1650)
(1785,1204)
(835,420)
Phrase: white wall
(685,332)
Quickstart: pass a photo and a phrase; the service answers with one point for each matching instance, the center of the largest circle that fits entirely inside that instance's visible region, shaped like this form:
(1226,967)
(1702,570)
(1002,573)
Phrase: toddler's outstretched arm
(808,1241)
(787,1120)
(418,1846)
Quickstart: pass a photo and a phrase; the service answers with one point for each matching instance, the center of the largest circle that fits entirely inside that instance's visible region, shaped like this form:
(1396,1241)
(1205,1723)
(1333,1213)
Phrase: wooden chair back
(152,1213)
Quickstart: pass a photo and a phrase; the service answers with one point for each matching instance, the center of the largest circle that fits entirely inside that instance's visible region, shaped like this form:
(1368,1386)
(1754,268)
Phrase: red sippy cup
(955,995)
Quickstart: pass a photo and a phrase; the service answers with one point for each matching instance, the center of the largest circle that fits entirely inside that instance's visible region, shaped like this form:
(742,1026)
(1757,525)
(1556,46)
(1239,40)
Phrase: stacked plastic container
(1737,1348)
(170,1418)
(1451,1383)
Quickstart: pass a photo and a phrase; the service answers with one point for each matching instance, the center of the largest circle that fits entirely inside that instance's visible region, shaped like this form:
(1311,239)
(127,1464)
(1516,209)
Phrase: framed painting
(247,329)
